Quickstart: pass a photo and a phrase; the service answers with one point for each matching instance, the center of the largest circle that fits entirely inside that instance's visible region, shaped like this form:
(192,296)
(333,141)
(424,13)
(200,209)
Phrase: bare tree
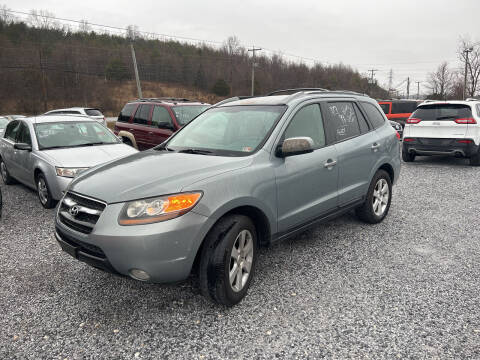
(5,15)
(473,65)
(84,26)
(43,19)
(233,48)
(441,81)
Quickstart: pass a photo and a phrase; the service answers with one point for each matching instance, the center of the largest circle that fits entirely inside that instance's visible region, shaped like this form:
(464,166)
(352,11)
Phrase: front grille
(85,215)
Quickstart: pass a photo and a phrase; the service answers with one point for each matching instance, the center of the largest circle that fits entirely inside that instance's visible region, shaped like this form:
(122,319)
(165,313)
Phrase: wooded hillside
(47,67)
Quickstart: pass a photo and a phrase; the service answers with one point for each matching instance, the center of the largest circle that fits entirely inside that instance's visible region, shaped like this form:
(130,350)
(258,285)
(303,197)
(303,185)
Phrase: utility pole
(418,89)
(139,88)
(372,71)
(408,87)
(466,51)
(390,82)
(253,49)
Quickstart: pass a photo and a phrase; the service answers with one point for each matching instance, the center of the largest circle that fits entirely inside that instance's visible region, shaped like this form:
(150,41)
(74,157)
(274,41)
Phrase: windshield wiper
(72,146)
(195,151)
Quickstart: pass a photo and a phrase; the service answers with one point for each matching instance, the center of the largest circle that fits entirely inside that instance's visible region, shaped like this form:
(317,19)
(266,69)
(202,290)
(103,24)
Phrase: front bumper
(165,250)
(434,146)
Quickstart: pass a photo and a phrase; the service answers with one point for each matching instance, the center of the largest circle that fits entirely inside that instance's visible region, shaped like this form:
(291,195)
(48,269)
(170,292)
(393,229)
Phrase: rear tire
(43,192)
(475,159)
(228,260)
(7,179)
(379,198)
(408,156)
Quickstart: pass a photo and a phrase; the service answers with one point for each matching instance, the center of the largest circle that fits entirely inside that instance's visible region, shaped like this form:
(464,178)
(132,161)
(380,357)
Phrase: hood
(151,173)
(87,156)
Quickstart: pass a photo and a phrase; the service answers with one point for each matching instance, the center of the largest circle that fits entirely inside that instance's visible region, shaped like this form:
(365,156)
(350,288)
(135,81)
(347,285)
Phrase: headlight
(69,172)
(158,209)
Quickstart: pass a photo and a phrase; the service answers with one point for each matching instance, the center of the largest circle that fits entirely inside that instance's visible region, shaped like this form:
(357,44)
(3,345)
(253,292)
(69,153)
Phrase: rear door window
(126,112)
(161,117)
(443,112)
(376,118)
(342,120)
(142,115)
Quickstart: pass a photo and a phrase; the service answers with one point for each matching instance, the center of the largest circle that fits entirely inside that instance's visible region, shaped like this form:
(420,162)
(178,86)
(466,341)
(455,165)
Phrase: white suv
(93,113)
(444,128)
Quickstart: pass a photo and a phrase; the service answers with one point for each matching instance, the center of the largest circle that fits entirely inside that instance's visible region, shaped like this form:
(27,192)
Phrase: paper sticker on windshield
(247,148)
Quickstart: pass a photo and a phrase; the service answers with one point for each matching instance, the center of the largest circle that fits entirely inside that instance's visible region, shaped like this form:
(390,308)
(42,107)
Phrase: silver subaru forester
(242,174)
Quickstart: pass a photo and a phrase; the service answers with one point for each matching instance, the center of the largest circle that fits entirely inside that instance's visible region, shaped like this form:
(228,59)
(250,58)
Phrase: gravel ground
(406,288)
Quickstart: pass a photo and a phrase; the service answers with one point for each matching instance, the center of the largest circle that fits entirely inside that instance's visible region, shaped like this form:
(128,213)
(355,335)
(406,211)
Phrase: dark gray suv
(242,174)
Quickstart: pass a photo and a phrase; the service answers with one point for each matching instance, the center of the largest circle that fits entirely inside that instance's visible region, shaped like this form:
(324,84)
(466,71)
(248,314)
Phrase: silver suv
(242,174)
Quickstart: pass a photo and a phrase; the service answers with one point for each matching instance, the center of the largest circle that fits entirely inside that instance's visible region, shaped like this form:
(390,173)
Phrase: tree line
(45,64)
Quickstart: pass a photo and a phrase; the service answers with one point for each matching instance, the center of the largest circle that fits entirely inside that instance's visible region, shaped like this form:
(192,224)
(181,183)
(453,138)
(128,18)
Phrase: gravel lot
(408,287)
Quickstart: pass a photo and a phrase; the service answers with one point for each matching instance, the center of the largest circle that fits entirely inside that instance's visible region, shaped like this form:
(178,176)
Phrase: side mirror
(165,125)
(295,146)
(23,146)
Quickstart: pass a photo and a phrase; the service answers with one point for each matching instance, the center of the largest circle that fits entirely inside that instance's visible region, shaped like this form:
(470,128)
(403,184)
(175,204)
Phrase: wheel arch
(254,213)
(389,169)
(129,136)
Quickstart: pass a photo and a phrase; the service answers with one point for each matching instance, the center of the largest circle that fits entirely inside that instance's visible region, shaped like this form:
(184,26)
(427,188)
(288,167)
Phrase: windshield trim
(222,152)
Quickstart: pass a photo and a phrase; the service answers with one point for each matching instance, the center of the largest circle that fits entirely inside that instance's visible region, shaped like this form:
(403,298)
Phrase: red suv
(399,110)
(145,123)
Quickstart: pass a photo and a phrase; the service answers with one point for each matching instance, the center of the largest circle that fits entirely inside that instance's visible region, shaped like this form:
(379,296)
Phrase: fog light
(138,274)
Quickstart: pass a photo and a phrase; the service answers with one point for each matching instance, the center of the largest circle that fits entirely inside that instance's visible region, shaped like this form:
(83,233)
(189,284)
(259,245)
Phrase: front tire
(379,198)
(7,179)
(43,192)
(408,156)
(228,260)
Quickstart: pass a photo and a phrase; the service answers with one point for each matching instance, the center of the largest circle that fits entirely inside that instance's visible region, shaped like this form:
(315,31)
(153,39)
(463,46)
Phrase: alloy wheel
(381,196)
(42,191)
(241,260)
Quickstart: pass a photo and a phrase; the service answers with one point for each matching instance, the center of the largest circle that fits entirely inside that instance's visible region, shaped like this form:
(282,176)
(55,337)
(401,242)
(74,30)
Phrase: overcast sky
(410,37)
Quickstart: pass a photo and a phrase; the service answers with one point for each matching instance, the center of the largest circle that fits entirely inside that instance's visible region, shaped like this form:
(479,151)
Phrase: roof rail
(295,90)
(472,99)
(346,92)
(234,98)
(160,99)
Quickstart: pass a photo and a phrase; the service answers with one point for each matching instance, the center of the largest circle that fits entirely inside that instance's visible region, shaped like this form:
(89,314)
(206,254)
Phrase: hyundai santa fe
(242,174)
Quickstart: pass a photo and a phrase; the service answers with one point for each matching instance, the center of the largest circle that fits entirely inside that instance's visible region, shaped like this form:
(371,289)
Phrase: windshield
(3,122)
(231,130)
(185,114)
(72,134)
(443,112)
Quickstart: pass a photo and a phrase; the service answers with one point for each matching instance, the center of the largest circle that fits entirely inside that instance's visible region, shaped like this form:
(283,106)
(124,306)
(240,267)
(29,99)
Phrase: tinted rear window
(126,112)
(443,112)
(403,107)
(374,115)
(93,112)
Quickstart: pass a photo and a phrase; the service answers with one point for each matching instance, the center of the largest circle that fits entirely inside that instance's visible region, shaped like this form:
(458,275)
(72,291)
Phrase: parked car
(93,113)
(3,124)
(242,174)
(145,123)
(398,128)
(46,152)
(399,110)
(14,117)
(444,128)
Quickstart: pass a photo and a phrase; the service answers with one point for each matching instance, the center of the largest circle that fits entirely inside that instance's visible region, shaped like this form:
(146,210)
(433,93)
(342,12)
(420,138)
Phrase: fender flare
(129,136)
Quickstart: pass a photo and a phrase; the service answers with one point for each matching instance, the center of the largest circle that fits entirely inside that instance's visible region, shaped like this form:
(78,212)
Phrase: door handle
(150,133)
(375,146)
(330,163)
(130,129)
